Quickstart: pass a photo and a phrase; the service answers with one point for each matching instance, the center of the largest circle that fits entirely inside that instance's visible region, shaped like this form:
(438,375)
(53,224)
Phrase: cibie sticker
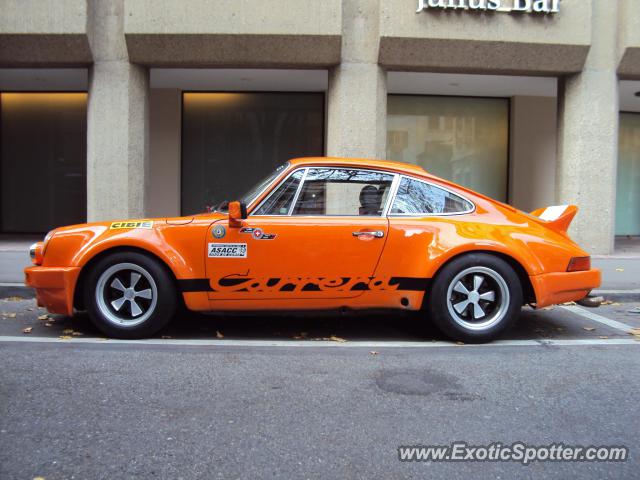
(134,224)
(236,250)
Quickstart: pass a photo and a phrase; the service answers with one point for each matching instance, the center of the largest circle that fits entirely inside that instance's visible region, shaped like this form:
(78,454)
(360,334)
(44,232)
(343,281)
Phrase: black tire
(457,313)
(109,300)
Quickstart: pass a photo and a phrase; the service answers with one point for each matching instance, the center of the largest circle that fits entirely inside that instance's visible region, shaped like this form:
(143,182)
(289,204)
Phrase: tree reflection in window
(343,191)
(415,197)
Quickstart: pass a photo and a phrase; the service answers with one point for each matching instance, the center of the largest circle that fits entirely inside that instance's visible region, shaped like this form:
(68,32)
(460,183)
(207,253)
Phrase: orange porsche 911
(321,234)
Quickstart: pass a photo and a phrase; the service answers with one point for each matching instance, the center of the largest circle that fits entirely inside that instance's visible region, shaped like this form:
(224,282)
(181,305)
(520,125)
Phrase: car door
(318,235)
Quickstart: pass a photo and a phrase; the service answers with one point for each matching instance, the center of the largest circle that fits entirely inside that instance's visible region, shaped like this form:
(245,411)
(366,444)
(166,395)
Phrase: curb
(618,295)
(16,290)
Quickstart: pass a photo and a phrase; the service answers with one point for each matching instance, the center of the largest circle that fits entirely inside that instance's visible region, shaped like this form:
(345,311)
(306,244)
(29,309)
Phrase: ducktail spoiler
(558,217)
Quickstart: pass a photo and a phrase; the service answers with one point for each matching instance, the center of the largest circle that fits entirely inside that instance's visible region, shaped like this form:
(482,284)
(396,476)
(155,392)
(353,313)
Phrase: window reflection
(231,140)
(332,191)
(464,140)
(628,191)
(280,201)
(415,197)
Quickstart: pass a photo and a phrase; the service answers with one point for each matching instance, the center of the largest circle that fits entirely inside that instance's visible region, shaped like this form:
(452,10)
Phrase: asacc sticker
(236,250)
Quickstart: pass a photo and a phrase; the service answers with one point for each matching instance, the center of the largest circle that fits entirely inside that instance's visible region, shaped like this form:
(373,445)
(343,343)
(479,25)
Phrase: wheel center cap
(474,297)
(129,293)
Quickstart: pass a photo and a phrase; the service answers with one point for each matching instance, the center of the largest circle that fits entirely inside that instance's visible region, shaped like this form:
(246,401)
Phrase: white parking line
(319,343)
(598,318)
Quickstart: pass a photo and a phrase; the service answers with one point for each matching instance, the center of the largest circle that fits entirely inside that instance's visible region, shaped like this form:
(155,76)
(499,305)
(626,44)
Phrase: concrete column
(117,120)
(357,96)
(588,136)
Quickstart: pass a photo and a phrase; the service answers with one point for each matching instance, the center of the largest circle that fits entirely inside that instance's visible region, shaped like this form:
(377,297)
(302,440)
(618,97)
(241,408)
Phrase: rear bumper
(54,287)
(560,287)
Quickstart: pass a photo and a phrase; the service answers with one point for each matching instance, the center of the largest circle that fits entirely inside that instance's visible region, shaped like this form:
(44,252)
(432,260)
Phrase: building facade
(138,108)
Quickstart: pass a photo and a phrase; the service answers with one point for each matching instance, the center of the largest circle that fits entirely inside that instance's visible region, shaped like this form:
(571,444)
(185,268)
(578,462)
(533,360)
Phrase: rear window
(416,197)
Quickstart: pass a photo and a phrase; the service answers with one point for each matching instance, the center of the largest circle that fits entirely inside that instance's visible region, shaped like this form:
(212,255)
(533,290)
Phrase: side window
(343,191)
(415,197)
(279,202)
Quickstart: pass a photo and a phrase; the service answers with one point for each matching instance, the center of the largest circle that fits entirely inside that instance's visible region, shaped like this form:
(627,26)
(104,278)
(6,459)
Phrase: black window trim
(394,193)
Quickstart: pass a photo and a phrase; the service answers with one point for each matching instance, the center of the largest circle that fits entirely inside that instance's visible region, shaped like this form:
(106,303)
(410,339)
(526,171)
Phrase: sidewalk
(620,272)
(14,257)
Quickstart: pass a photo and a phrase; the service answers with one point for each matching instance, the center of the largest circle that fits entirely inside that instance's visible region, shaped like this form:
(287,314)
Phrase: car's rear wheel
(475,298)
(129,295)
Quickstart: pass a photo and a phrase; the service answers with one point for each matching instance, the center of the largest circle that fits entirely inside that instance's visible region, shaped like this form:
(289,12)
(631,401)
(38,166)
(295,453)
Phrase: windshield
(256,190)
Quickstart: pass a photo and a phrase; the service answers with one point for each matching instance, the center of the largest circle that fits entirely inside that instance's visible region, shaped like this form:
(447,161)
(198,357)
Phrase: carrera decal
(222,250)
(219,231)
(304,284)
(135,224)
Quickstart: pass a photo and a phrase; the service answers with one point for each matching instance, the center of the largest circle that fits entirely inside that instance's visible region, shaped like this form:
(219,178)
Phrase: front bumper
(561,287)
(54,287)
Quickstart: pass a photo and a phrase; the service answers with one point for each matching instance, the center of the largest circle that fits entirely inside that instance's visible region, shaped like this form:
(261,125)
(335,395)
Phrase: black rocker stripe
(414,284)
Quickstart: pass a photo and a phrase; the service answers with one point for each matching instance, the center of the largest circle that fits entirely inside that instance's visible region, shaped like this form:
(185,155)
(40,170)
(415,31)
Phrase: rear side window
(416,197)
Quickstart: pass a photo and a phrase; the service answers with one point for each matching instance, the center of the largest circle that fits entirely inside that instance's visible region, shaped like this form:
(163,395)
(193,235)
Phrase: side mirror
(237,213)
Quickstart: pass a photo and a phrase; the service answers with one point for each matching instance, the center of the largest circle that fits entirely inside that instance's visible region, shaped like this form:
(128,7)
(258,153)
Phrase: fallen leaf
(635,332)
(619,269)
(48,324)
(569,303)
(27,330)
(67,331)
(65,337)
(373,352)
(300,336)
(13,299)
(219,335)
(9,315)
(459,343)
(603,337)
(589,329)
(607,302)
(43,317)
(77,334)
(38,478)
(333,338)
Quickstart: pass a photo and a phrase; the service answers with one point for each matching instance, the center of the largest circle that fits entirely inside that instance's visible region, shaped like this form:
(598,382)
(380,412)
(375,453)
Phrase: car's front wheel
(475,298)
(129,295)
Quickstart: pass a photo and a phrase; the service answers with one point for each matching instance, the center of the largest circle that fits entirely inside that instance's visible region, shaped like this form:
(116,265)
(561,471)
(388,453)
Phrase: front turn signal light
(579,264)
(35,252)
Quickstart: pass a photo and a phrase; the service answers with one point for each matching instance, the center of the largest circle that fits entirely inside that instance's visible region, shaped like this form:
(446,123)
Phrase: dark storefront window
(628,191)
(43,143)
(465,140)
(232,140)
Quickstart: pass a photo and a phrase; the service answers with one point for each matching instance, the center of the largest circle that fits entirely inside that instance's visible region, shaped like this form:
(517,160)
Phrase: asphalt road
(271,400)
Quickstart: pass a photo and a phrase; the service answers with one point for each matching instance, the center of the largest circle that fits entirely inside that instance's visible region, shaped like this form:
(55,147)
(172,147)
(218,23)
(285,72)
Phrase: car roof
(361,162)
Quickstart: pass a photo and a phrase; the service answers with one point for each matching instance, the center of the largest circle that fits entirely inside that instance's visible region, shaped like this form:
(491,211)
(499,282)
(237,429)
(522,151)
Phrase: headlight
(36,253)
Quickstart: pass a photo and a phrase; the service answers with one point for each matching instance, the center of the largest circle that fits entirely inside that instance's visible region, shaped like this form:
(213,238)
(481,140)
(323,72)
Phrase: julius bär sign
(505,6)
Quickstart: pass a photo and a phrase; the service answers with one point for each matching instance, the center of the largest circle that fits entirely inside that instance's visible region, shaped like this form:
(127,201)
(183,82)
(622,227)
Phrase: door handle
(374,233)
